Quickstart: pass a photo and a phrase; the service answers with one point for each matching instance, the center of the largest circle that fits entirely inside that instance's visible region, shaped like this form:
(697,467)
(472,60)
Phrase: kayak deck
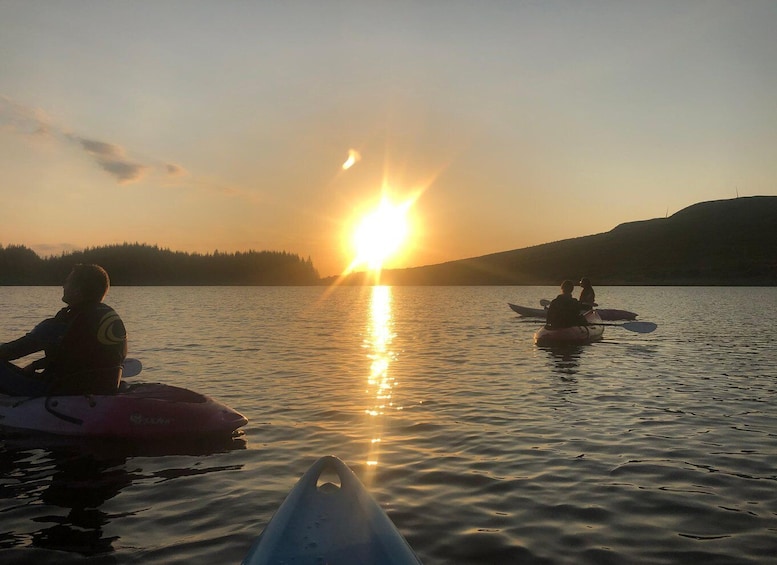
(327,523)
(139,411)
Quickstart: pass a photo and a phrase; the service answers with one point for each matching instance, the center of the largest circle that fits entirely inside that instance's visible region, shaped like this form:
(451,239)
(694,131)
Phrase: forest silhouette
(146,265)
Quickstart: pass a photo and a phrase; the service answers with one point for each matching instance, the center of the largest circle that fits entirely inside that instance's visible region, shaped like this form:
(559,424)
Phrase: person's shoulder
(106,309)
(109,312)
(98,310)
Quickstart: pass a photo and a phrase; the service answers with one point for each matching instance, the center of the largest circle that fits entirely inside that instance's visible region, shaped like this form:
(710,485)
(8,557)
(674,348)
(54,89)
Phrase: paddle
(639,327)
(131,367)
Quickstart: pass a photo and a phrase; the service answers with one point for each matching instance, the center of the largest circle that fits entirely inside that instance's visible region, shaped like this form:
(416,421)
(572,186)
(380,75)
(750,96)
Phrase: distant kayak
(608,314)
(528,312)
(329,523)
(573,335)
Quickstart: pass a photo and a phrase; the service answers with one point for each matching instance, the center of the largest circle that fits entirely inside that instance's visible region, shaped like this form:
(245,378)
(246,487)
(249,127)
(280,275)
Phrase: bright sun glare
(381,234)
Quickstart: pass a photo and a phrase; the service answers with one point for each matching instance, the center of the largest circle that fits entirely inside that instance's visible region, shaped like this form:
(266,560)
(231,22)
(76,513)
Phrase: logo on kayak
(141,420)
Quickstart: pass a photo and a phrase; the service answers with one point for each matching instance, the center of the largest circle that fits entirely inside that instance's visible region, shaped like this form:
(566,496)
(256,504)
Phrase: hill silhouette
(724,242)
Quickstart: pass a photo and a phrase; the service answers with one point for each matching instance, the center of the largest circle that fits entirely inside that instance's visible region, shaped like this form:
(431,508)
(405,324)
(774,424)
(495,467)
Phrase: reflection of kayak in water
(322,522)
(149,411)
(574,334)
(609,314)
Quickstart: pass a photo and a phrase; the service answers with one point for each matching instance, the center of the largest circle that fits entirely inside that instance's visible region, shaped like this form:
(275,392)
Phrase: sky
(224,125)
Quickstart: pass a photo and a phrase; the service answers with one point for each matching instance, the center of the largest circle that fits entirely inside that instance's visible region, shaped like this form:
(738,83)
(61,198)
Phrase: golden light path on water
(380,383)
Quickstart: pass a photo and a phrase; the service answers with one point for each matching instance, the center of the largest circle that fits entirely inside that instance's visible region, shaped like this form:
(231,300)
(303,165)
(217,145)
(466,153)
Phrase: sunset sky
(224,125)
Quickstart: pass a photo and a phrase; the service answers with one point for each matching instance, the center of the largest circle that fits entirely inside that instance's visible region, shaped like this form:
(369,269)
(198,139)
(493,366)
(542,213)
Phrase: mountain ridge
(720,242)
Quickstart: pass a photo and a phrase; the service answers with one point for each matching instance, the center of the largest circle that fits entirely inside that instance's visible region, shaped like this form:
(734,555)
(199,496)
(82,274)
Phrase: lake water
(481,447)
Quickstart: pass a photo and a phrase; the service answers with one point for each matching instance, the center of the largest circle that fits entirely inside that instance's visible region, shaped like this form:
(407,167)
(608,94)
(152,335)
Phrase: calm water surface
(482,447)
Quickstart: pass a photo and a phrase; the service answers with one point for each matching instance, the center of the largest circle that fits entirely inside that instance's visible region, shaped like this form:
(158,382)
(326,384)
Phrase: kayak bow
(326,523)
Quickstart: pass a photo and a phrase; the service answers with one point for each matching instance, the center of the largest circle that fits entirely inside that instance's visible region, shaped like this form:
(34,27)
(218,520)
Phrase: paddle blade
(639,327)
(131,367)
(544,302)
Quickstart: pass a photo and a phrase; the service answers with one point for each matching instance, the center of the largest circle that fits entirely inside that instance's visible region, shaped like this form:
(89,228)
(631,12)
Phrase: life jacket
(587,296)
(88,357)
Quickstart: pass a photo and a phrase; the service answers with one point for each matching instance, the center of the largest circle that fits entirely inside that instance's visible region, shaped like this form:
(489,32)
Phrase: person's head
(585,283)
(567,287)
(85,283)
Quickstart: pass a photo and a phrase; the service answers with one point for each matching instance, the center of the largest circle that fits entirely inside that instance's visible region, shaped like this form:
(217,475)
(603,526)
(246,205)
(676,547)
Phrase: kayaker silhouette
(565,311)
(85,344)
(587,294)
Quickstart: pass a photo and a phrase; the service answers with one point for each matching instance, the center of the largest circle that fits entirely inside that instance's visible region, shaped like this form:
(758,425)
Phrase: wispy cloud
(175,170)
(20,119)
(110,157)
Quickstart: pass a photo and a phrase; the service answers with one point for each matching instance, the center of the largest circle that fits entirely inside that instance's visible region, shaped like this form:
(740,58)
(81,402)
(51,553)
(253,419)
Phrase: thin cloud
(100,147)
(174,170)
(124,171)
(110,157)
(22,120)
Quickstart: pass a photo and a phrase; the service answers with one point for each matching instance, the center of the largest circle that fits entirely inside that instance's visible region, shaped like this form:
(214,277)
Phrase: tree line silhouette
(146,265)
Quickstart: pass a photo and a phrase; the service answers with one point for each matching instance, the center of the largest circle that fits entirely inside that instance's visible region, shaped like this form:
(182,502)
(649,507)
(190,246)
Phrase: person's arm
(20,347)
(42,336)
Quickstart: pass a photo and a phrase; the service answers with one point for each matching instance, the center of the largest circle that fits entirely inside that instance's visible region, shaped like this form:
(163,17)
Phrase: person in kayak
(85,344)
(565,311)
(587,294)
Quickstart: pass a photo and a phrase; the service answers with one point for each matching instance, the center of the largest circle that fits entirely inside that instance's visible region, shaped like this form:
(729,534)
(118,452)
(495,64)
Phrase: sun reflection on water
(380,383)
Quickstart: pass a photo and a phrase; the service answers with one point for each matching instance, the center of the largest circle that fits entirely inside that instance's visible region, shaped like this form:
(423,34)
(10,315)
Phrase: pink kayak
(573,335)
(138,411)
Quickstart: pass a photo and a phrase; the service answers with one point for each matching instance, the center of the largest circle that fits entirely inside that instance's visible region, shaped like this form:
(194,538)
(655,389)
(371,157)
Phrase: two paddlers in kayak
(566,311)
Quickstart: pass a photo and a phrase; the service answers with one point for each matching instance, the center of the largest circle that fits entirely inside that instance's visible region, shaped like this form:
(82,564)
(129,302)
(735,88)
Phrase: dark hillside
(725,242)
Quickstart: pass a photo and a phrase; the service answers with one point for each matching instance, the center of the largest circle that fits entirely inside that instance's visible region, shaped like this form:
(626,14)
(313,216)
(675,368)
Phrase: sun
(381,234)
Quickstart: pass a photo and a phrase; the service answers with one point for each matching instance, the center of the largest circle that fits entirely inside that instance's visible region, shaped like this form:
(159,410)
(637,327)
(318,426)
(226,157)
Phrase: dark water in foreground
(481,447)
